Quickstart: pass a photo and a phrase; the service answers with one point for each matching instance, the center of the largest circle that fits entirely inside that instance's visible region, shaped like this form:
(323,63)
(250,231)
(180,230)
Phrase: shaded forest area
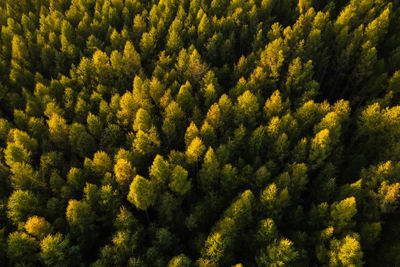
(199,133)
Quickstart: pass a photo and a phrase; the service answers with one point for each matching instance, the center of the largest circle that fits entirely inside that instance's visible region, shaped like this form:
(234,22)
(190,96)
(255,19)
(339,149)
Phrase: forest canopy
(199,133)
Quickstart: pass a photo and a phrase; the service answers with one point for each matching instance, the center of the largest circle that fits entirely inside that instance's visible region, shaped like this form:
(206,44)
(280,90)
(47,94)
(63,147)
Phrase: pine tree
(37,227)
(195,150)
(124,173)
(21,248)
(342,214)
(58,130)
(141,193)
(247,108)
(148,44)
(273,106)
(180,261)
(185,97)
(179,181)
(160,171)
(55,250)
(131,60)
(346,251)
(21,205)
(80,217)
(142,121)
(209,172)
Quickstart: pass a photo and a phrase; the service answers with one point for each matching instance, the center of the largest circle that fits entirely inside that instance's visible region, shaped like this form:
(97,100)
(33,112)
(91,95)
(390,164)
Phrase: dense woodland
(199,133)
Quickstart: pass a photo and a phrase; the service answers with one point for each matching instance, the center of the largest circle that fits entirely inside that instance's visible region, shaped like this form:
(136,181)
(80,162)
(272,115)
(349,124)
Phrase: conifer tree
(141,193)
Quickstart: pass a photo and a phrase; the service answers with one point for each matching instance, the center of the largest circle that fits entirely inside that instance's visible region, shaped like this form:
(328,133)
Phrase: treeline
(199,133)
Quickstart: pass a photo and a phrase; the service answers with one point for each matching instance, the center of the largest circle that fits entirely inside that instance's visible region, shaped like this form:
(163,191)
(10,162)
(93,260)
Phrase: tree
(23,139)
(58,130)
(24,177)
(303,6)
(226,106)
(346,252)
(160,171)
(167,208)
(247,108)
(95,125)
(142,120)
(156,89)
(209,93)
(125,220)
(37,128)
(229,179)
(139,25)
(207,134)
(180,183)
(191,133)
(209,172)
(197,69)
(180,261)
(37,227)
(4,129)
(101,63)
(173,120)
(111,138)
(21,205)
(141,193)
(389,196)
(80,217)
(298,177)
(218,6)
(56,250)
(394,83)
(377,29)
(214,116)
(174,41)
(148,44)
(185,98)
(342,214)
(117,63)
(266,232)
(124,173)
(367,61)
(204,28)
(274,200)
(20,52)
(273,106)
(241,210)
(21,248)
(273,57)
(320,147)
(219,245)
(299,82)
(147,143)
(370,234)
(279,253)
(131,60)
(127,107)
(76,179)
(140,93)
(281,147)
(195,150)
(16,154)
(109,202)
(214,250)
(81,141)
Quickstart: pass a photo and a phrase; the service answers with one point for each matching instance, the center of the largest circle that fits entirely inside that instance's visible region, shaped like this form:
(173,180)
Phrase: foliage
(199,133)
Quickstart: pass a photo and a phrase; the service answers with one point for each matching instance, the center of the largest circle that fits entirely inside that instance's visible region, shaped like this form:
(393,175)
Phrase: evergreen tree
(141,193)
